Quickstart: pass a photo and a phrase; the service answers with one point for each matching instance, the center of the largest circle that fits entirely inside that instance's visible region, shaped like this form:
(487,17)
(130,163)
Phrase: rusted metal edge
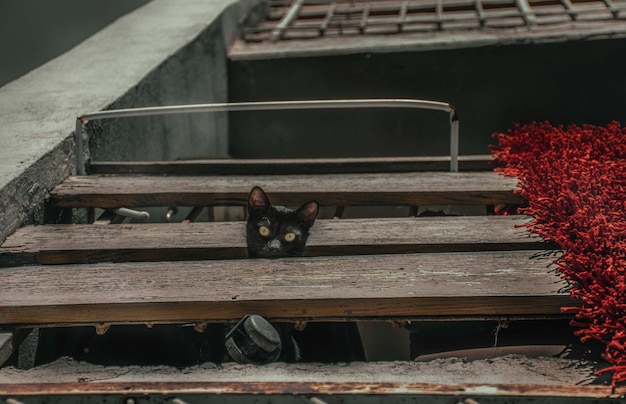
(102,327)
(306,388)
(330,45)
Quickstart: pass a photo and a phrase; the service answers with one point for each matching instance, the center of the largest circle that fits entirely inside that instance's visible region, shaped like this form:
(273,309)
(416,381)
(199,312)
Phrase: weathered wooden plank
(291,166)
(62,244)
(424,188)
(298,391)
(528,379)
(400,285)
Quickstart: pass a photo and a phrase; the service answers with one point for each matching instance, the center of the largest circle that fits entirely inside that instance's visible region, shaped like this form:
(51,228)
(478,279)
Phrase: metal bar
(133,214)
(269,106)
(289,17)
(193,214)
(339,210)
(107,217)
(614,11)
(410,19)
(364,17)
(570,9)
(78,140)
(454,141)
(567,4)
(329,16)
(480,12)
(439,12)
(6,346)
(527,12)
(276,105)
(403,11)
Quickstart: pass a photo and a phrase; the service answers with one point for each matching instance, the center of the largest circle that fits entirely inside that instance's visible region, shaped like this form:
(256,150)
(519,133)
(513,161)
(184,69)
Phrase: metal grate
(308,19)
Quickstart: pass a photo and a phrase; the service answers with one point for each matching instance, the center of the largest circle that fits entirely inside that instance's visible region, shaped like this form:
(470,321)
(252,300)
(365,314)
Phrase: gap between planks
(291,166)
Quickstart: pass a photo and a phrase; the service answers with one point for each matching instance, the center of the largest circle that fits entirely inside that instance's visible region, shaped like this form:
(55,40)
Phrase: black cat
(272,232)
(279,232)
(276,231)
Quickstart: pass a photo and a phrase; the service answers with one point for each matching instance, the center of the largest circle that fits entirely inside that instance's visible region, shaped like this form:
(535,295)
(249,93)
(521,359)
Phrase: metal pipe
(454,141)
(526,11)
(480,12)
(364,17)
(614,11)
(134,214)
(78,139)
(291,15)
(329,16)
(268,106)
(273,106)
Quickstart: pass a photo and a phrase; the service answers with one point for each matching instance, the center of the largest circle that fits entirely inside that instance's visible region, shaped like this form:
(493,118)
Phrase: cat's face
(276,231)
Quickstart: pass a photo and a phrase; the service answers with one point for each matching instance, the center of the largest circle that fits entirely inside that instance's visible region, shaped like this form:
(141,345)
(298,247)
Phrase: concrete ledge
(164,52)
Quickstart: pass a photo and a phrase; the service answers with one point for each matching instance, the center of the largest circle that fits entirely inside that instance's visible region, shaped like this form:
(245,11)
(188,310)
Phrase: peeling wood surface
(62,244)
(291,166)
(302,388)
(512,375)
(349,287)
(424,188)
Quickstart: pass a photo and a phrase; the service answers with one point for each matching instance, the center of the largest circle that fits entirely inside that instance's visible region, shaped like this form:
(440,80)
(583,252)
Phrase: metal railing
(82,120)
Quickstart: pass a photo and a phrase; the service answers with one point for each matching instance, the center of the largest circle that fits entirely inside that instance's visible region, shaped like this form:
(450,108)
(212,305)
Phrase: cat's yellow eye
(264,231)
(289,237)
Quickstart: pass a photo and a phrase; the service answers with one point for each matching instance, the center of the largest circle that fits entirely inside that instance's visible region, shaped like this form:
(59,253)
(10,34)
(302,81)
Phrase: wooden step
(494,283)
(63,244)
(499,380)
(291,166)
(424,188)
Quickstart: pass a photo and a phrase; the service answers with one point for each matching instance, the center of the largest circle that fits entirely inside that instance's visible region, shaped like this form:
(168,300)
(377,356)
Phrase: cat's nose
(274,245)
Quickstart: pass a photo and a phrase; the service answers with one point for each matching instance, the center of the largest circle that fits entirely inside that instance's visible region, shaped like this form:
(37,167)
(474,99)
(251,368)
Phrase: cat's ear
(257,200)
(308,212)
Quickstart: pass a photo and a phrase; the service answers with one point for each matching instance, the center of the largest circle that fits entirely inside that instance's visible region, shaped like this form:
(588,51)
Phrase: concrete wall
(144,58)
(579,81)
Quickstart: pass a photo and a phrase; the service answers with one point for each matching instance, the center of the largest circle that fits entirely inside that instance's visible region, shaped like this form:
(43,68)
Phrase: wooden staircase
(384,269)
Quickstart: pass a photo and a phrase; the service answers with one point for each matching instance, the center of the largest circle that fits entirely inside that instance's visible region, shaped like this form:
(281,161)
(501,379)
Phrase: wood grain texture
(530,380)
(299,391)
(378,286)
(291,166)
(62,244)
(424,188)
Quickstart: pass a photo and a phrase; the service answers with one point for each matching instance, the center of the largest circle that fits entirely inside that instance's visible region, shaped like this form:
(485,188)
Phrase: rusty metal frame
(375,13)
(82,120)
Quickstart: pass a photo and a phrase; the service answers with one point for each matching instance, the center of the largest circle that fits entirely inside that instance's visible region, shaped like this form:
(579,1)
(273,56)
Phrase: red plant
(574,181)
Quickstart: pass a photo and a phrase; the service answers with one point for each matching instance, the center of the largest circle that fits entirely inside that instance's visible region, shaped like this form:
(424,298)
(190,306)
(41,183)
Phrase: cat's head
(276,231)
